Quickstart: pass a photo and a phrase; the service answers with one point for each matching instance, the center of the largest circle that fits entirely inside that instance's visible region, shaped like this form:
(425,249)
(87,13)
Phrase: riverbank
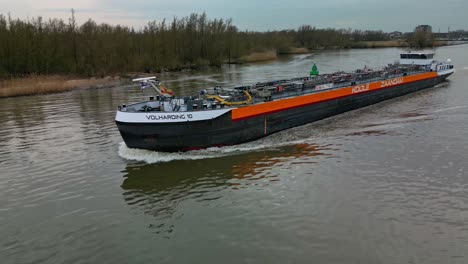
(38,84)
(53,84)
(257,57)
(400,43)
(294,50)
(268,55)
(380,44)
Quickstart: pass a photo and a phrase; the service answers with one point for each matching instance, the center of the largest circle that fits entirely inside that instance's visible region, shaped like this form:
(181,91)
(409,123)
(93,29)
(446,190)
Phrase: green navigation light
(314,71)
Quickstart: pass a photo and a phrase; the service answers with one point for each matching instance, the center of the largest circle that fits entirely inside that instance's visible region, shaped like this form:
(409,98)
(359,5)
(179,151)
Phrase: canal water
(383,184)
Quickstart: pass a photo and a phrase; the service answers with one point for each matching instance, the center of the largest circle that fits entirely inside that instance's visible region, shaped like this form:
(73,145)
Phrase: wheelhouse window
(416,56)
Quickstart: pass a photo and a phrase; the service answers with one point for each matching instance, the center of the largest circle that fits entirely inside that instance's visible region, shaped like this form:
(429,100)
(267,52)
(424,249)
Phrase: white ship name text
(170,117)
(360,88)
(391,82)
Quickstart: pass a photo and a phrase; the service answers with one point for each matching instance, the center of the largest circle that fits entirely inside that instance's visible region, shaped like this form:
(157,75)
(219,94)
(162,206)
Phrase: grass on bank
(380,44)
(270,54)
(398,43)
(295,50)
(51,84)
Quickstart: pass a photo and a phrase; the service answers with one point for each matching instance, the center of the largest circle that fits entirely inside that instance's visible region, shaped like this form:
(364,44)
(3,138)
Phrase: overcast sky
(259,15)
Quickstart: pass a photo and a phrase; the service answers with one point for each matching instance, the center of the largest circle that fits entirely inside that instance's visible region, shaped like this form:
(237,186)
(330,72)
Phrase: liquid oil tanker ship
(228,116)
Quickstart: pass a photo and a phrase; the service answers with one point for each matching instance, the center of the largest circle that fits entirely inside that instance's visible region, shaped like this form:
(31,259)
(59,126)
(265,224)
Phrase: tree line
(56,46)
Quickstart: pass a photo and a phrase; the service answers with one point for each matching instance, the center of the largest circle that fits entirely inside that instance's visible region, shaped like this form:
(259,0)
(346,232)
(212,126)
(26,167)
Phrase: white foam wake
(269,143)
(149,156)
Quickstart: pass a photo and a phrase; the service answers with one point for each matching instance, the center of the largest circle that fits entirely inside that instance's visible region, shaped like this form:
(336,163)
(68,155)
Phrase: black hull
(222,131)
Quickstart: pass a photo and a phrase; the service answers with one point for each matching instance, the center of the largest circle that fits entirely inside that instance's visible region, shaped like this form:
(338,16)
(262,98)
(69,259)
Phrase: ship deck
(277,90)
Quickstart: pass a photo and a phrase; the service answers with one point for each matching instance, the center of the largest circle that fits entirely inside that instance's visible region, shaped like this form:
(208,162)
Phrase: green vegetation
(420,39)
(54,46)
(47,47)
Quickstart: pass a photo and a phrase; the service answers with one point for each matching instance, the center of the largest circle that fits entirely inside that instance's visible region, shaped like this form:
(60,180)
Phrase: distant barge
(228,116)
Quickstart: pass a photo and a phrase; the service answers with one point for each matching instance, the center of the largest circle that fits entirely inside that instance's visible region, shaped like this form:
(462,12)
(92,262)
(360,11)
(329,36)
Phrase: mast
(156,84)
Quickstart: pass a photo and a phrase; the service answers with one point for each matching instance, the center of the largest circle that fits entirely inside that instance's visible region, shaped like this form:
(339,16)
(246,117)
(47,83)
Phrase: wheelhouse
(422,58)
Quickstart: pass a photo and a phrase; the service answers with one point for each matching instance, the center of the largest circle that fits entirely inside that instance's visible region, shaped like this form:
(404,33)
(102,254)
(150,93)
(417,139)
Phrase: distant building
(423,28)
(441,36)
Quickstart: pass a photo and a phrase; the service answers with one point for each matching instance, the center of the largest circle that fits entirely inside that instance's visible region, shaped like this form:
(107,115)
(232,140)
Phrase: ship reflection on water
(157,190)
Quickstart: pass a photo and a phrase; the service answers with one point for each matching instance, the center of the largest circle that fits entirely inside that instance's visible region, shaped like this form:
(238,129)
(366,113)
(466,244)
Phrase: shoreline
(269,55)
(400,43)
(46,84)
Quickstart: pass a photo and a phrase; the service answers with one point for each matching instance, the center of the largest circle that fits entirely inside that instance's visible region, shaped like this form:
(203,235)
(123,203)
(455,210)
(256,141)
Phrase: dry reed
(50,84)
(295,50)
(259,56)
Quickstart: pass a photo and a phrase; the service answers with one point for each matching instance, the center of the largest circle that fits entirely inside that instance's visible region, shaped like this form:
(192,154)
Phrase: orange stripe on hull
(283,104)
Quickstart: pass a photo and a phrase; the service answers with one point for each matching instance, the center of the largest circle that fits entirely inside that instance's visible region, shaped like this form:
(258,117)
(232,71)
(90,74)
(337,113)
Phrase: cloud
(402,15)
(58,4)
